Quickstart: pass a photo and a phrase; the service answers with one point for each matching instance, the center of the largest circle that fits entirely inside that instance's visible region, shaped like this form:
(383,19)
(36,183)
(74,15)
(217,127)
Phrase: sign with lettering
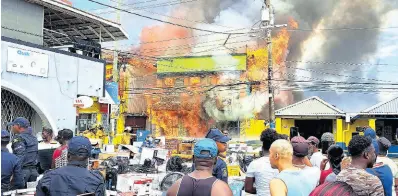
(27,62)
(83,102)
(171,144)
(109,72)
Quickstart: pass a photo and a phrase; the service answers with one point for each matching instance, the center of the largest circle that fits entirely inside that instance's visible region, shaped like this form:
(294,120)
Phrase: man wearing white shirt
(317,156)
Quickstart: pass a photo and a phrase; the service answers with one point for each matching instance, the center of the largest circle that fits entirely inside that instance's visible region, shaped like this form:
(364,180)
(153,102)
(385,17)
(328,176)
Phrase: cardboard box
(138,184)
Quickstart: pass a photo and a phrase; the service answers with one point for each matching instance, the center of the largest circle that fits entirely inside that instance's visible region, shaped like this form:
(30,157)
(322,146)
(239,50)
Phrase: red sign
(104,108)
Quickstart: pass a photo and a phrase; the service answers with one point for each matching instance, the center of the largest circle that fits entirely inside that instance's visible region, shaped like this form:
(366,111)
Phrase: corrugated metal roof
(388,107)
(313,106)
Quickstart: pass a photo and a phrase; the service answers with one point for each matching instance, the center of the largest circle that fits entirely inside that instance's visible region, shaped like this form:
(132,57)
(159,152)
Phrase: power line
(167,22)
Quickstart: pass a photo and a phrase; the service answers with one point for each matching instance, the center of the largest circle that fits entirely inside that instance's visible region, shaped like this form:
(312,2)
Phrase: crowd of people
(287,166)
(298,167)
(69,175)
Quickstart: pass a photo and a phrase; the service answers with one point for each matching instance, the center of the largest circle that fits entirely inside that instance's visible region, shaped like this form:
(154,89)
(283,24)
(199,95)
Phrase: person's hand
(323,164)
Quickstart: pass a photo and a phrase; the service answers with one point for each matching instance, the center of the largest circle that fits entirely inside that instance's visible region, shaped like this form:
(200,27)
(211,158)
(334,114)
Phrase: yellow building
(314,116)
(311,117)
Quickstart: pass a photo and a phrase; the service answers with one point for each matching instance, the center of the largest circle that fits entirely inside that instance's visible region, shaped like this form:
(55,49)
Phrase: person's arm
(323,164)
(221,188)
(221,171)
(277,187)
(18,148)
(173,190)
(307,162)
(43,186)
(249,181)
(18,181)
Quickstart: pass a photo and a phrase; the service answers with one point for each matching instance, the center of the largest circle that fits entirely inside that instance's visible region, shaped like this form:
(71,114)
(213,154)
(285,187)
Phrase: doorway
(314,127)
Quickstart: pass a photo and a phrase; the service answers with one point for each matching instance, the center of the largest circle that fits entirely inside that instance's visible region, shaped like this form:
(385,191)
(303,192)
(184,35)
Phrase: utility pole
(267,23)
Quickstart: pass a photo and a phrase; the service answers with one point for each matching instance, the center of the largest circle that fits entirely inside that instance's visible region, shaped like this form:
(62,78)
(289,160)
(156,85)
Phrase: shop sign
(104,100)
(27,62)
(114,111)
(83,102)
(109,72)
(104,108)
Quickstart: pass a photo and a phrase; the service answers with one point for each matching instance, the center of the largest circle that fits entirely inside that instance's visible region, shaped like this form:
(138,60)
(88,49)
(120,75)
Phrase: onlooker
(60,156)
(369,132)
(25,147)
(10,167)
(47,136)
(220,170)
(317,156)
(384,145)
(384,173)
(300,158)
(363,156)
(335,156)
(75,178)
(290,181)
(300,152)
(260,172)
(334,188)
(327,139)
(201,181)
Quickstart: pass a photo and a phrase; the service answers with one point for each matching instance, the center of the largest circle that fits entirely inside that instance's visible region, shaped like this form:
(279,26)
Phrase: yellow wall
(252,129)
(95,108)
(202,63)
(350,128)
(283,125)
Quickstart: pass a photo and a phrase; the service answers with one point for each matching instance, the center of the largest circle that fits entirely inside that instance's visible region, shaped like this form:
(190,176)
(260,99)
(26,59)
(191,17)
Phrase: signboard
(236,62)
(104,100)
(83,102)
(112,90)
(114,111)
(171,144)
(109,72)
(27,62)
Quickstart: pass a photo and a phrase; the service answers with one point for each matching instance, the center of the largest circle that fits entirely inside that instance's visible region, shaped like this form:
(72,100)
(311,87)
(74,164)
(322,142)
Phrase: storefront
(310,117)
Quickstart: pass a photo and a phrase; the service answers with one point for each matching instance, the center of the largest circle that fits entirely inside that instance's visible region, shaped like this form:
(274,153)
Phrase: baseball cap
(23,122)
(79,146)
(217,135)
(205,149)
(327,137)
(300,146)
(383,142)
(313,139)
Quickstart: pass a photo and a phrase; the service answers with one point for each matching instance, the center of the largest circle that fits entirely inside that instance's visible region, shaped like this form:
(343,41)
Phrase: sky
(387,52)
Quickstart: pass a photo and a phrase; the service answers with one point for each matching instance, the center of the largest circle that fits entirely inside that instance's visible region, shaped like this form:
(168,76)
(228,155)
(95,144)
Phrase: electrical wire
(167,22)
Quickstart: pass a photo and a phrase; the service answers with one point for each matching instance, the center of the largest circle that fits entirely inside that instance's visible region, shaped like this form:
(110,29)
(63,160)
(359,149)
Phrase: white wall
(52,97)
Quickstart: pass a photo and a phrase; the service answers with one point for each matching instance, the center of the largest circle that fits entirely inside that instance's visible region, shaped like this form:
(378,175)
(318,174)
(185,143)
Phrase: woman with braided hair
(335,156)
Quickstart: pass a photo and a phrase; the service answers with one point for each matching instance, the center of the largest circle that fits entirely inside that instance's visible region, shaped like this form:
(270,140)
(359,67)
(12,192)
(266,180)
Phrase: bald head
(281,153)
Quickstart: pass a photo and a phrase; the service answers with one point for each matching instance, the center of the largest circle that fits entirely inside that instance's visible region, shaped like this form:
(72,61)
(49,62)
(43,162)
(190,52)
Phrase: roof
(385,108)
(313,106)
(62,21)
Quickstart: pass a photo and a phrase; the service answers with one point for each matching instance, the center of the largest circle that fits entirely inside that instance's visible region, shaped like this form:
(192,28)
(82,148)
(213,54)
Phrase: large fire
(173,104)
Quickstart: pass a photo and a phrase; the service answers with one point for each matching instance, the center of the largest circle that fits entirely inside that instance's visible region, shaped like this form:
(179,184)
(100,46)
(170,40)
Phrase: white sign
(103,100)
(27,62)
(83,102)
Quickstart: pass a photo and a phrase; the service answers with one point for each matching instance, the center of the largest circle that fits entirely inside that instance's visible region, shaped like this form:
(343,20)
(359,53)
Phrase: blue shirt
(383,172)
(71,180)
(219,170)
(298,183)
(25,147)
(11,166)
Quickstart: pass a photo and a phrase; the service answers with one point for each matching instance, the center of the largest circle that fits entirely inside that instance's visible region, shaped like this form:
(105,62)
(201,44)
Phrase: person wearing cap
(383,171)
(300,152)
(327,139)
(220,170)
(384,145)
(317,157)
(201,181)
(25,146)
(10,167)
(291,180)
(74,178)
(60,156)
